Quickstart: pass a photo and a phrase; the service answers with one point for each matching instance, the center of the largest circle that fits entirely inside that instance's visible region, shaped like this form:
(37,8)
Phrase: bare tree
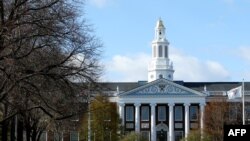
(44,51)
(218,114)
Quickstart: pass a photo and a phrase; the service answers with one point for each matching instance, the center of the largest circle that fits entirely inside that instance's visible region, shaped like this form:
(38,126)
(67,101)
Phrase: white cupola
(160,65)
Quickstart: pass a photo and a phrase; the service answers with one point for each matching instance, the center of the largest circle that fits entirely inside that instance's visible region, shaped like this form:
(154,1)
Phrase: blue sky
(209,39)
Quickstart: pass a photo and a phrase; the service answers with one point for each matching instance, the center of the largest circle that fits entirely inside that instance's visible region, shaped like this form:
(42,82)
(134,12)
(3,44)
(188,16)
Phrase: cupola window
(166,51)
(160,51)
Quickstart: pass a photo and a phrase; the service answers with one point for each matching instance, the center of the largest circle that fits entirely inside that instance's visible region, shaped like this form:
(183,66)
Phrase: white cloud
(190,68)
(129,67)
(187,68)
(100,3)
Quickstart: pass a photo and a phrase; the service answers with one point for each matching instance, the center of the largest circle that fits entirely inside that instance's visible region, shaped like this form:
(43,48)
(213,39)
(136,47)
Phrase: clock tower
(160,65)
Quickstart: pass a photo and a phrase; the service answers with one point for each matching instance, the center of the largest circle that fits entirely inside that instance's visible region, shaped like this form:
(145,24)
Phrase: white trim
(137,117)
(171,121)
(162,126)
(124,94)
(153,132)
(202,108)
(163,100)
(187,122)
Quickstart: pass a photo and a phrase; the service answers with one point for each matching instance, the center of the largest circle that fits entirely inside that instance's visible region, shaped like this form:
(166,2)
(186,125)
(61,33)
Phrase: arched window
(160,51)
(166,51)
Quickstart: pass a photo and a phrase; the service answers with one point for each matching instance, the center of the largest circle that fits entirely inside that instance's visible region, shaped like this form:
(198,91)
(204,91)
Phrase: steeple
(160,31)
(160,65)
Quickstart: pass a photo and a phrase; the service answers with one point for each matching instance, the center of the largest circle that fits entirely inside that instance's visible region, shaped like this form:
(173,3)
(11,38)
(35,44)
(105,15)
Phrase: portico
(162,110)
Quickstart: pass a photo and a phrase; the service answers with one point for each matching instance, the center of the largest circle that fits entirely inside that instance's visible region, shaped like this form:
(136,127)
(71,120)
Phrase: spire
(160,24)
(160,31)
(160,65)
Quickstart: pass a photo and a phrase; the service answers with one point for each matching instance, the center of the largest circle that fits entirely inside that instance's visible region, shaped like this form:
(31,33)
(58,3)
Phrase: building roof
(198,86)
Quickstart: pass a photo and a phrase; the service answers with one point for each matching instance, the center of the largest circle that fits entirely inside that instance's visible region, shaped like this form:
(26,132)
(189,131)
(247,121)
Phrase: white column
(202,106)
(186,119)
(153,132)
(121,112)
(171,121)
(137,117)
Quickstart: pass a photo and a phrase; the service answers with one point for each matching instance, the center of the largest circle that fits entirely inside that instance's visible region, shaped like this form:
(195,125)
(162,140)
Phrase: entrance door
(162,135)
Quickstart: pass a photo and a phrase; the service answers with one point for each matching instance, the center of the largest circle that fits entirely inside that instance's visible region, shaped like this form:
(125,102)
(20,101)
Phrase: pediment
(161,87)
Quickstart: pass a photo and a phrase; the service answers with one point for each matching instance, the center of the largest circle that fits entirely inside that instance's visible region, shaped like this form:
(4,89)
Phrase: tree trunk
(13,129)
(20,131)
(39,135)
(33,136)
(5,131)
(28,131)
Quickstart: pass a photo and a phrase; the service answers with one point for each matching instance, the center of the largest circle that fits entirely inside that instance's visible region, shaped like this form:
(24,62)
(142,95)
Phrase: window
(166,51)
(74,136)
(233,111)
(58,136)
(193,115)
(144,113)
(43,136)
(145,125)
(145,135)
(247,108)
(178,115)
(161,113)
(129,113)
(178,135)
(160,51)
(129,125)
